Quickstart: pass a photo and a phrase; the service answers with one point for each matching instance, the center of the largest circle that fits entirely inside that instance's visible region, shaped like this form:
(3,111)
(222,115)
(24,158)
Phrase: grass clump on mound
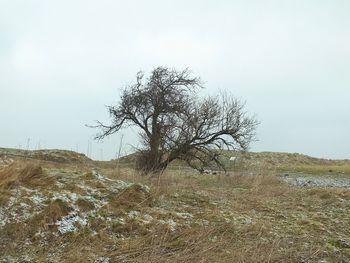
(28,175)
(53,212)
(132,198)
(85,205)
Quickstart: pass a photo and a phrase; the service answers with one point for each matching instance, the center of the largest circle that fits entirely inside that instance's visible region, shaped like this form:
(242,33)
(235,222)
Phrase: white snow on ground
(144,219)
(38,199)
(147,219)
(2,218)
(133,214)
(66,196)
(184,215)
(169,223)
(25,203)
(67,223)
(101,177)
(103,260)
(16,209)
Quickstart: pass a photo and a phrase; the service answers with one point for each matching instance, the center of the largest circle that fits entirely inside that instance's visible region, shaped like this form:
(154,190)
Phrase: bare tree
(174,123)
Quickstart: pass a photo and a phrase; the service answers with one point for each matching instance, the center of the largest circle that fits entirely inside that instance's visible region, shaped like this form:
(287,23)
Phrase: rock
(304,180)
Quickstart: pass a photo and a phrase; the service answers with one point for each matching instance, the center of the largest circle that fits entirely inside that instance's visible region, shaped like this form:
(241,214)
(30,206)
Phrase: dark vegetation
(176,124)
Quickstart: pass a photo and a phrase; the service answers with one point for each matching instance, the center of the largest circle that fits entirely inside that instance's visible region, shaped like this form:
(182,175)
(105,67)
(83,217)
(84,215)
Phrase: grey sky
(62,61)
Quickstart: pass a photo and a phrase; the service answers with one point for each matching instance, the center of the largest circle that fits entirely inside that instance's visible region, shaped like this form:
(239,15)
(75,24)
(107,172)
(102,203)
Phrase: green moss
(339,243)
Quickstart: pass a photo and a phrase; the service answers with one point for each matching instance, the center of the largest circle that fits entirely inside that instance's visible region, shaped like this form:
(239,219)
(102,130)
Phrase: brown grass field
(74,212)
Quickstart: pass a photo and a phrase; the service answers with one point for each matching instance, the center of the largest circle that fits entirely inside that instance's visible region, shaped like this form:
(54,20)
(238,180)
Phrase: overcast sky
(62,61)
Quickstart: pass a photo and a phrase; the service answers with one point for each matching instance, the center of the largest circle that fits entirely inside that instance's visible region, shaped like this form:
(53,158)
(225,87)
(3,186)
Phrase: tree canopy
(175,123)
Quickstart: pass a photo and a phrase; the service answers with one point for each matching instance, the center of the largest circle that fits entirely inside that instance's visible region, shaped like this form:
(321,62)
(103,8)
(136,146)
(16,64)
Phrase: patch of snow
(145,188)
(112,184)
(88,189)
(59,184)
(9,259)
(170,223)
(120,221)
(144,219)
(133,214)
(213,239)
(24,205)
(2,218)
(147,219)
(103,260)
(100,177)
(26,258)
(121,185)
(227,220)
(66,196)
(12,201)
(248,221)
(38,199)
(184,215)
(16,209)
(67,223)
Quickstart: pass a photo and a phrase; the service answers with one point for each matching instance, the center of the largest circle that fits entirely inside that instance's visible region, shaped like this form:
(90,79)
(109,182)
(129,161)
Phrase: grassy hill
(56,209)
(296,162)
(268,161)
(59,156)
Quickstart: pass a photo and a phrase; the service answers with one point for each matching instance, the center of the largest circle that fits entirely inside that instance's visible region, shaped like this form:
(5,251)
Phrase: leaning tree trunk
(151,161)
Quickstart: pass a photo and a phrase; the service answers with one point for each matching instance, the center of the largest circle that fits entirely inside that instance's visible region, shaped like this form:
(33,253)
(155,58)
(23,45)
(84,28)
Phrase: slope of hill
(59,156)
(69,215)
(268,161)
(90,213)
(246,160)
(281,162)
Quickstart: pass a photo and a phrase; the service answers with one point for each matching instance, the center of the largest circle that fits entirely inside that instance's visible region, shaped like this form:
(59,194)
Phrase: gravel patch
(307,180)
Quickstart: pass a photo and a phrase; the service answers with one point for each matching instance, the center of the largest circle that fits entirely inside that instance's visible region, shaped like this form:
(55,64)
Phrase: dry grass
(47,218)
(276,235)
(341,168)
(134,197)
(17,174)
(85,205)
(240,218)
